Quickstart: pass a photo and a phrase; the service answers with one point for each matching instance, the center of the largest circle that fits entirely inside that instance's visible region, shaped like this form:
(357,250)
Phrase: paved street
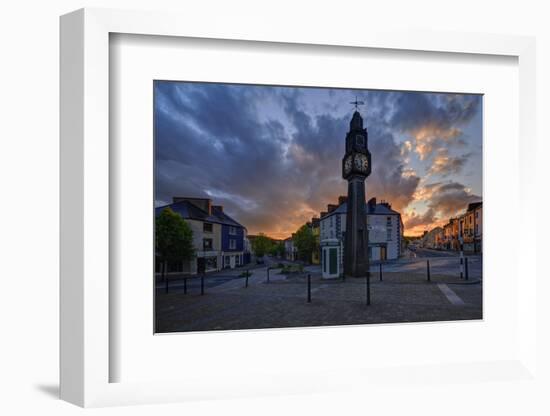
(404,295)
(427,252)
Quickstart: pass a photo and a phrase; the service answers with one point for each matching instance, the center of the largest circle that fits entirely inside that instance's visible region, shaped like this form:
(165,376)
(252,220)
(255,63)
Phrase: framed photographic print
(262,212)
(281,213)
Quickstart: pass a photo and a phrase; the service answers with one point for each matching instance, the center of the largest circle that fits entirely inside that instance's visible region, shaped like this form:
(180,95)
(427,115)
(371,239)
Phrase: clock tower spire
(356,166)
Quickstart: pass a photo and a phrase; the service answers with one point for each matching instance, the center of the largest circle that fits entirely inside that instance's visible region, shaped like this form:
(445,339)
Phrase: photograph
(293,206)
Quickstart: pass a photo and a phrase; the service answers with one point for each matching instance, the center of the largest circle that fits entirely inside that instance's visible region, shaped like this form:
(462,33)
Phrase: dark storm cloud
(449,198)
(433,120)
(445,165)
(421,220)
(210,143)
(444,111)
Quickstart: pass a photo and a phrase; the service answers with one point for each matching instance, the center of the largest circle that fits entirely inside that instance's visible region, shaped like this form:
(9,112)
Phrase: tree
(305,243)
(277,249)
(173,238)
(261,245)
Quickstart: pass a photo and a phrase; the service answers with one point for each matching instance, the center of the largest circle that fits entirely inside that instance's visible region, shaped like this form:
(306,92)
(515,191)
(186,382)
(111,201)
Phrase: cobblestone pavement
(400,297)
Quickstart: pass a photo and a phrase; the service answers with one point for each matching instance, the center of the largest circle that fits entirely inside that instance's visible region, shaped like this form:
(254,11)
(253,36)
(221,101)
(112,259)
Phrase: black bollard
(246,278)
(380,272)
(308,288)
(461,265)
(428,270)
(185,285)
(367,278)
(466,275)
(268,275)
(202,284)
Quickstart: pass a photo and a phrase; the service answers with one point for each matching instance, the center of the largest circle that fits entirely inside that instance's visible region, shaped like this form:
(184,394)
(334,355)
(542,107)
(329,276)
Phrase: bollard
(380,272)
(428,270)
(308,288)
(202,284)
(246,278)
(461,267)
(185,285)
(466,276)
(268,274)
(367,278)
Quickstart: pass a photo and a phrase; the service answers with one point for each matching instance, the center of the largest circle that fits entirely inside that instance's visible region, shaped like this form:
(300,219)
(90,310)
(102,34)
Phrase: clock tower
(356,166)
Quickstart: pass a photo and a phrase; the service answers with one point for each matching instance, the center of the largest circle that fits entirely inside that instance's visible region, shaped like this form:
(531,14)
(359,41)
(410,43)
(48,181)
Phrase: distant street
(426,252)
(448,265)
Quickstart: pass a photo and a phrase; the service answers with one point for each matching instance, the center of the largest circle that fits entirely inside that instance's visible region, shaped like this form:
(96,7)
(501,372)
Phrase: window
(207,227)
(211,263)
(233,230)
(232,244)
(207,244)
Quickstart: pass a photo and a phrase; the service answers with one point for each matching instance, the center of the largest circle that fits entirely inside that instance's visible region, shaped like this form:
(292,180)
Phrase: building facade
(464,231)
(385,236)
(291,252)
(315,226)
(219,241)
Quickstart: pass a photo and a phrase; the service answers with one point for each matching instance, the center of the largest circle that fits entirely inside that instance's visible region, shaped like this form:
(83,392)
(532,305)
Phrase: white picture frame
(85,212)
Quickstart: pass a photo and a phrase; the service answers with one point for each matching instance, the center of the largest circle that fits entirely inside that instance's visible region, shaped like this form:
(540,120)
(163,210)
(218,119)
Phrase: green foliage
(261,245)
(305,242)
(173,237)
(277,249)
(292,268)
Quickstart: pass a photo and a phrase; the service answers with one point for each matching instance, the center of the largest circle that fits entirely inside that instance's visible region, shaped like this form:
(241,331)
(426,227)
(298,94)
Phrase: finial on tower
(357,103)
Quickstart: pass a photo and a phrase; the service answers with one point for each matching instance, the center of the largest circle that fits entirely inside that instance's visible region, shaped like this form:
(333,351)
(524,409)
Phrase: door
(201,265)
(333,261)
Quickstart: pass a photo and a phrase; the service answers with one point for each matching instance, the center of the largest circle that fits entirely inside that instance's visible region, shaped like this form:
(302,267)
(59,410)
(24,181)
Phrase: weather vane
(357,103)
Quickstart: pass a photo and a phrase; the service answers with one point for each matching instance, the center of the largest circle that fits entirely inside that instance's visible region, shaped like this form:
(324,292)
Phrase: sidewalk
(399,297)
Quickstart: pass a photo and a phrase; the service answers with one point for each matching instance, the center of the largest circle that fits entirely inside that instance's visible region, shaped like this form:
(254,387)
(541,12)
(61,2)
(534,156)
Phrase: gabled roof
(377,209)
(474,205)
(189,211)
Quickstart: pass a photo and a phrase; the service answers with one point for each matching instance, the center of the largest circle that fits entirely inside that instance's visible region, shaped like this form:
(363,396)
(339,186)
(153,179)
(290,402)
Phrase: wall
(29,169)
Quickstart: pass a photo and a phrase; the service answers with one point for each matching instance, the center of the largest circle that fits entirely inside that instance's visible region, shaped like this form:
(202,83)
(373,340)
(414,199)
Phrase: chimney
(331,207)
(324,214)
(342,199)
(372,202)
(217,208)
(201,203)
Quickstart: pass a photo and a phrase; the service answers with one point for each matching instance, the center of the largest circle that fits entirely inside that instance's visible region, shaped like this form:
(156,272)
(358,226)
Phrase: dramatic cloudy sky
(272,155)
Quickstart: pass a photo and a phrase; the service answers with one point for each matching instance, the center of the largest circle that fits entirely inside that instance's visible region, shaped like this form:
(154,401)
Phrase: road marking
(451,296)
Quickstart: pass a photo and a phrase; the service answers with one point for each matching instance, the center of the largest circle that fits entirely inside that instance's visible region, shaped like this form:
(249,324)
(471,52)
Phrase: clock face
(348,164)
(361,163)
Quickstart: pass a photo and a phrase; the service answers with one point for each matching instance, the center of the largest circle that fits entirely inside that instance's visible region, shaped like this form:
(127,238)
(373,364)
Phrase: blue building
(219,240)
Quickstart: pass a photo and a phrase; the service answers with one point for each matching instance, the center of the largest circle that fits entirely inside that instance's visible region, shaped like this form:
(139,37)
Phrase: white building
(291,252)
(385,236)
